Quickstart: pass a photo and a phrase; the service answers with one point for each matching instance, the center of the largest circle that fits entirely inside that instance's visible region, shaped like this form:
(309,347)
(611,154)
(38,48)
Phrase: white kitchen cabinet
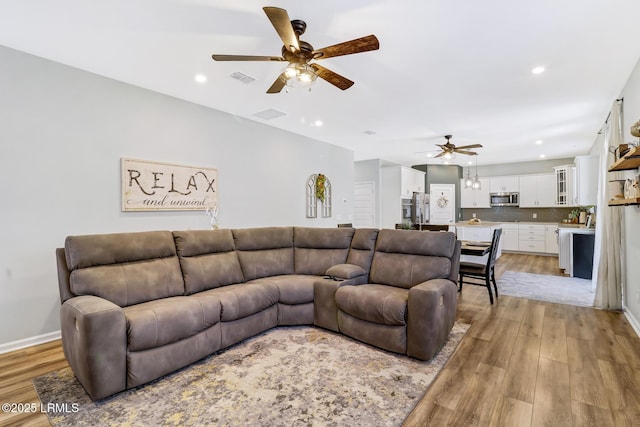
(509,237)
(504,184)
(411,180)
(537,191)
(551,239)
(531,238)
(564,188)
(586,180)
(470,198)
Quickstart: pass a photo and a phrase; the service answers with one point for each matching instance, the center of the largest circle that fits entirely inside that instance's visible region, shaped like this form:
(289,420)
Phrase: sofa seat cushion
(385,305)
(244,299)
(293,288)
(156,323)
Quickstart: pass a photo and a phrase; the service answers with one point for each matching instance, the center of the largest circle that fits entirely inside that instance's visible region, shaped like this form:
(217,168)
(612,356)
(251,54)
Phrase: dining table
(475,248)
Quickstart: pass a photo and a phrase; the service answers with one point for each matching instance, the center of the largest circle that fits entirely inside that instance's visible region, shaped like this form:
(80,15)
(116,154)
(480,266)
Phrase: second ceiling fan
(299,54)
(448,148)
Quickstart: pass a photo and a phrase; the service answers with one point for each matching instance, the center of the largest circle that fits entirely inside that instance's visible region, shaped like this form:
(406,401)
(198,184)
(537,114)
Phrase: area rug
(287,376)
(542,287)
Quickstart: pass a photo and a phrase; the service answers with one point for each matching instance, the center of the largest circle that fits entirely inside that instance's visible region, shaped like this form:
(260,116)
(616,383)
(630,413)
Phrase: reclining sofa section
(137,306)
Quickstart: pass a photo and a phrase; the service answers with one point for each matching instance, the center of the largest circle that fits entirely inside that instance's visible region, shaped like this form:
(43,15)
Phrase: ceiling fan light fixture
(449,155)
(300,75)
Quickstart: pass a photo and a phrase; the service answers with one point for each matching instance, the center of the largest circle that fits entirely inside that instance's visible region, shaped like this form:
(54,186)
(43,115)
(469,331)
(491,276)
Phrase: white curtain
(610,223)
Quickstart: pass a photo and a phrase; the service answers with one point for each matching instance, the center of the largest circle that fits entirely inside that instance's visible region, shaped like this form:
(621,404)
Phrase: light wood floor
(522,363)
(532,363)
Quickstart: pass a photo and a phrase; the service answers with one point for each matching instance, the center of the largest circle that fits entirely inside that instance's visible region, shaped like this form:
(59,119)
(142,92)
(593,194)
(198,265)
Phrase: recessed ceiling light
(429,155)
(201,78)
(318,123)
(538,70)
(542,156)
(469,162)
(539,142)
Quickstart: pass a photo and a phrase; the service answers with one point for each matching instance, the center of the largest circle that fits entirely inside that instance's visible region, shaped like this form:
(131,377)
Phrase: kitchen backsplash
(510,214)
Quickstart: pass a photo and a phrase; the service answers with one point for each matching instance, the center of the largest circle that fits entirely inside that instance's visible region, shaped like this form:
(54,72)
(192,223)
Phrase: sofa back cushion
(362,247)
(124,268)
(405,258)
(264,252)
(317,249)
(208,259)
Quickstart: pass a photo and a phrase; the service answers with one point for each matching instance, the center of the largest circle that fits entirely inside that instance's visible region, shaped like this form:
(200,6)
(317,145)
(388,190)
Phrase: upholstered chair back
(124,268)
(317,249)
(264,252)
(208,259)
(362,247)
(405,258)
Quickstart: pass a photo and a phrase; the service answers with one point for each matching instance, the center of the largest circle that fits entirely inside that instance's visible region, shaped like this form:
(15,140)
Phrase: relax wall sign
(152,186)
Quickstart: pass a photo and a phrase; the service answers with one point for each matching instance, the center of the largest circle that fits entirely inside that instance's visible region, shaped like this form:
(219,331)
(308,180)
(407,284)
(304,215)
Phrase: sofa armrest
(431,315)
(94,340)
(345,271)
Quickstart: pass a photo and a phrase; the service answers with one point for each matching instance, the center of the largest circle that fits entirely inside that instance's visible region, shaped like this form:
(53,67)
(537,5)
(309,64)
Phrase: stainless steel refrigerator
(420,208)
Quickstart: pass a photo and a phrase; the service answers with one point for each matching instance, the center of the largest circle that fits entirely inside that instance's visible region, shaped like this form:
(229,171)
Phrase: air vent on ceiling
(269,114)
(369,132)
(242,77)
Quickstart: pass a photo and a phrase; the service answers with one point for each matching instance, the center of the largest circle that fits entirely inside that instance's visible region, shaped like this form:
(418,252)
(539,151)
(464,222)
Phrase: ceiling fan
(299,53)
(448,148)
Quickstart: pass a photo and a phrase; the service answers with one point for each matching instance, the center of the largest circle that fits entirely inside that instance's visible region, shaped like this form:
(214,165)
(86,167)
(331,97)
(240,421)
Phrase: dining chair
(482,272)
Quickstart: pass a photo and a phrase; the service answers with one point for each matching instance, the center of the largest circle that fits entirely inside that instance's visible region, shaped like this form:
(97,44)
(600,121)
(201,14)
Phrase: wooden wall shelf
(624,202)
(631,160)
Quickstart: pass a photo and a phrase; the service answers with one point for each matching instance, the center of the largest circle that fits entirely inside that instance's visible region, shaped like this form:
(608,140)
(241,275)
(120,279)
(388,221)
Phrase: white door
(442,203)
(364,210)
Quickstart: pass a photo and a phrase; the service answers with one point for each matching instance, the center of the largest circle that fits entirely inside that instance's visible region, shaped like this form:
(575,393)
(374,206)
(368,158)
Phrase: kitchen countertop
(477,224)
(569,225)
(494,223)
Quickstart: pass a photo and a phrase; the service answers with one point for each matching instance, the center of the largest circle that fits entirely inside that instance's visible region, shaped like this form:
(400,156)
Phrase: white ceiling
(444,67)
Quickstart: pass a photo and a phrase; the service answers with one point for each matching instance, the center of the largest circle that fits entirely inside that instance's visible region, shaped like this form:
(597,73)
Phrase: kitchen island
(575,251)
(477,232)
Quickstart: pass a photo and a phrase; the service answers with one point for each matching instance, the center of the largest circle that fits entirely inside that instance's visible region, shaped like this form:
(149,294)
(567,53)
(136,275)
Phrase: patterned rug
(558,289)
(288,376)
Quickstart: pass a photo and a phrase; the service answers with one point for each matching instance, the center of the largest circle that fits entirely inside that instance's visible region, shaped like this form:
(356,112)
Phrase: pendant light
(468,182)
(476,183)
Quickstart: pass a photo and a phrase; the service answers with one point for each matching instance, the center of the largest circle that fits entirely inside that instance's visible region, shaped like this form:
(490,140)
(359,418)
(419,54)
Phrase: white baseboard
(632,320)
(28,342)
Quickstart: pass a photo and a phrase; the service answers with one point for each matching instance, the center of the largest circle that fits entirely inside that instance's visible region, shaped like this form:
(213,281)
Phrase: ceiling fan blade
(280,20)
(468,153)
(363,44)
(277,86)
(440,155)
(470,146)
(246,58)
(332,77)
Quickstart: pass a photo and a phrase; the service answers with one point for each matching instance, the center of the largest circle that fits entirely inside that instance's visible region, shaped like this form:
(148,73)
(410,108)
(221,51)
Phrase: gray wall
(62,135)
(443,174)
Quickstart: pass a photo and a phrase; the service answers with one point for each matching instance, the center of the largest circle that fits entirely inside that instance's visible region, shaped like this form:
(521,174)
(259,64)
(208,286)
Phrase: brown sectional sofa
(136,306)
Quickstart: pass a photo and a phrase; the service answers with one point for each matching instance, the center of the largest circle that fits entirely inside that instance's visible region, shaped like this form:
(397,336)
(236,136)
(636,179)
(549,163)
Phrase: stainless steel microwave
(504,199)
